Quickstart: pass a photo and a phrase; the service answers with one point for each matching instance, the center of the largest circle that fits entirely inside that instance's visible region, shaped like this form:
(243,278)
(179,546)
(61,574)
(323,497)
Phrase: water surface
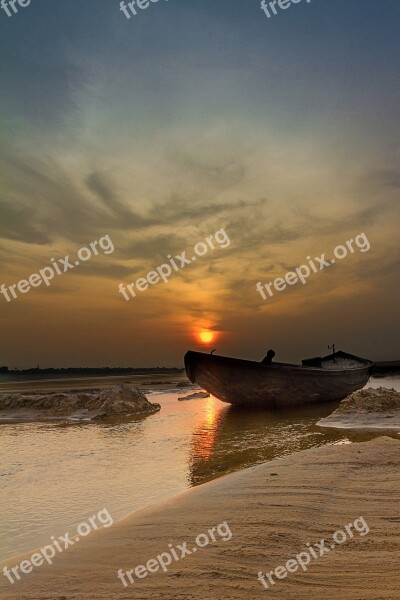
(56,475)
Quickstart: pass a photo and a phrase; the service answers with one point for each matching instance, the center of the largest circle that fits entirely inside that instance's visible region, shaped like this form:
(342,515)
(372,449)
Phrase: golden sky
(160,133)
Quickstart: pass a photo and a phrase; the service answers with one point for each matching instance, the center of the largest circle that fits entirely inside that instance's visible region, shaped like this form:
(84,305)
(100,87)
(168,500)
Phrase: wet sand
(372,408)
(75,384)
(273,510)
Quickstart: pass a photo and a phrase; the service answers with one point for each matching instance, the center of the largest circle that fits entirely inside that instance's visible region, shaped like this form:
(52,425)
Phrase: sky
(196,116)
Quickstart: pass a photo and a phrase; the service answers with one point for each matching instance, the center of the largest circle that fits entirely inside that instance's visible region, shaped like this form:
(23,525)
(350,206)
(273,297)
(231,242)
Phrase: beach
(199,361)
(273,510)
(60,472)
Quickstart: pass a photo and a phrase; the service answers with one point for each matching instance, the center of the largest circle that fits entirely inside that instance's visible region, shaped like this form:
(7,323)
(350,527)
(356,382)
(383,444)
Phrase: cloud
(220,173)
(17,222)
(122,216)
(386,178)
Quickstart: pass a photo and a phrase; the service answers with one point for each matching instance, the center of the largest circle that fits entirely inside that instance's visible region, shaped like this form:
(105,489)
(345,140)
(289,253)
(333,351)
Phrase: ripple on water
(59,474)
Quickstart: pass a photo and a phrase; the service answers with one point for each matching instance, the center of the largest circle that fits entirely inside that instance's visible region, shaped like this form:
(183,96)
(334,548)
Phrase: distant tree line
(93,371)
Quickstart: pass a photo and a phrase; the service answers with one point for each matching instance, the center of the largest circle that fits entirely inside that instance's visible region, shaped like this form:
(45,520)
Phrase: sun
(206,337)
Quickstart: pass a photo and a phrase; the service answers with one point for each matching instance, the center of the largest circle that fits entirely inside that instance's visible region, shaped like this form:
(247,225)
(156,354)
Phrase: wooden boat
(278,385)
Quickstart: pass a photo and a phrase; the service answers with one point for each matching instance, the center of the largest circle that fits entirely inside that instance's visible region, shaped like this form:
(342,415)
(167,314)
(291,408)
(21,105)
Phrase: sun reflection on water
(205,434)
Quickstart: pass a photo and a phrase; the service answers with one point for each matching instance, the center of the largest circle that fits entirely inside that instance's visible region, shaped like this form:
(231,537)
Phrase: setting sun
(206,337)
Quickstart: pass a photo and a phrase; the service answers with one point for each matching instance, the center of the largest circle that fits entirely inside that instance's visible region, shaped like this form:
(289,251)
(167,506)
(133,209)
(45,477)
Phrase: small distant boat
(278,385)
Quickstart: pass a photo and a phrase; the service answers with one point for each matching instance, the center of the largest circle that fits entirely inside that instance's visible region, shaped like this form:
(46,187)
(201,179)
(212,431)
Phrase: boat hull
(247,383)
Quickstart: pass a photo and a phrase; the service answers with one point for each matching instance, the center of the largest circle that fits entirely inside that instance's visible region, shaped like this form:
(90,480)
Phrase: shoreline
(180,495)
(273,510)
(58,387)
(76,384)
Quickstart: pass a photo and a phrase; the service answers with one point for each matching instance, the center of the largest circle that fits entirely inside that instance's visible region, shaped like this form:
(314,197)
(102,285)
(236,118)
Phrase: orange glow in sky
(206,337)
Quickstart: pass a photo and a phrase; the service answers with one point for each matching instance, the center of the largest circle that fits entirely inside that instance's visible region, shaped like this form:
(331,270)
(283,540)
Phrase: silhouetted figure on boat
(267,360)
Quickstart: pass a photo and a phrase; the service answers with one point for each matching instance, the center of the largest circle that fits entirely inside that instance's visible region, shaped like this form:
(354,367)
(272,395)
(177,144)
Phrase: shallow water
(58,475)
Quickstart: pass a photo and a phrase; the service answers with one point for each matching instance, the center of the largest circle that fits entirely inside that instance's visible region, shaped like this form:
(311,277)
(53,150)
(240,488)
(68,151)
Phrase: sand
(68,384)
(272,510)
(121,402)
(367,409)
(195,396)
